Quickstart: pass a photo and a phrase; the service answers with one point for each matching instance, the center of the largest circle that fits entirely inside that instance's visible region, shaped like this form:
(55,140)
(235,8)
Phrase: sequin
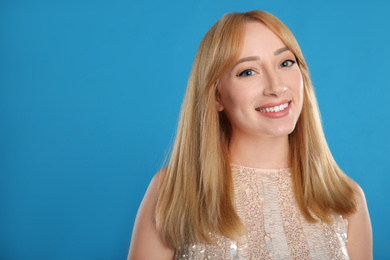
(275,227)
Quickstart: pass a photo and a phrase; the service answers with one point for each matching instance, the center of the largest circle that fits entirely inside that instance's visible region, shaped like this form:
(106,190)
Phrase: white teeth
(275,108)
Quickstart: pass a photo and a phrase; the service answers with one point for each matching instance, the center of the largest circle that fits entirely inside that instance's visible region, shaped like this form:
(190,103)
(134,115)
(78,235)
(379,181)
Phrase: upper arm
(146,242)
(359,244)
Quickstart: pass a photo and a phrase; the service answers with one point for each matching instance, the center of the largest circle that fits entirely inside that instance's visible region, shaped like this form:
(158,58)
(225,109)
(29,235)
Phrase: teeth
(275,108)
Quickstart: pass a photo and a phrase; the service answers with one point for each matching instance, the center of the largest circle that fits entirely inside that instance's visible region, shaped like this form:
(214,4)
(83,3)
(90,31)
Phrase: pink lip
(273,104)
(279,114)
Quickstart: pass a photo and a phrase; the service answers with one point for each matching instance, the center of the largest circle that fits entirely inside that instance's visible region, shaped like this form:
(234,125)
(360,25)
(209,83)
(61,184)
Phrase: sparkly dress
(275,227)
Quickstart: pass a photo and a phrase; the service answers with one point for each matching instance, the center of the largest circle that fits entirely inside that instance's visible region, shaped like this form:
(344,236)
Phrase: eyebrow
(245,59)
(281,50)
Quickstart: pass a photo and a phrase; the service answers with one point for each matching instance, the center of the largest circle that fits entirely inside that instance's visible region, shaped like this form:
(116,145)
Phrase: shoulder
(359,229)
(146,242)
(361,203)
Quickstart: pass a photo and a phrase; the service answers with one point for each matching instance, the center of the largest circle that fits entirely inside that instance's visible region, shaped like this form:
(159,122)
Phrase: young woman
(251,175)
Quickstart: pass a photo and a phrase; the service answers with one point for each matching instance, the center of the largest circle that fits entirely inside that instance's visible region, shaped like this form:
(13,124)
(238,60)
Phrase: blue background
(90,93)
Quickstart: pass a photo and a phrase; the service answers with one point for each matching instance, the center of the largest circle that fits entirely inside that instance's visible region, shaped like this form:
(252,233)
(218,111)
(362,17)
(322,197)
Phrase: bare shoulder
(146,242)
(359,230)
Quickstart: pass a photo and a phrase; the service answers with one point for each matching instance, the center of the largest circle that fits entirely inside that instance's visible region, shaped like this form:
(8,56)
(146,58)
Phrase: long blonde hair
(196,190)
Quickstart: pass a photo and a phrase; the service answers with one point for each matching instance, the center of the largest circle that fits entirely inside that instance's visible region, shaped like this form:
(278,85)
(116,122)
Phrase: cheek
(297,84)
(228,94)
(299,92)
(228,103)
(236,99)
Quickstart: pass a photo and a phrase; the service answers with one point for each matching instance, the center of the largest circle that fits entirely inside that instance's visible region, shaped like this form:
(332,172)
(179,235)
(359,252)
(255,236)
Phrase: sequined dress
(275,227)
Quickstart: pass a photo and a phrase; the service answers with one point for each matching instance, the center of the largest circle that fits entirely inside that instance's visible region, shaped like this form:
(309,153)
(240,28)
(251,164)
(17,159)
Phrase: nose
(273,85)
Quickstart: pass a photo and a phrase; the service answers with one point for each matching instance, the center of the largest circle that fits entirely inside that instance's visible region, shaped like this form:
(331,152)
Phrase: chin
(282,131)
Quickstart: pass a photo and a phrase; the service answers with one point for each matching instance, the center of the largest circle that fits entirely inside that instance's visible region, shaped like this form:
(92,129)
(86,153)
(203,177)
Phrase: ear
(220,107)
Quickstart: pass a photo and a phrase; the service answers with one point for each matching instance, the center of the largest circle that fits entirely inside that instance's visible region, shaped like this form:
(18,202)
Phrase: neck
(260,152)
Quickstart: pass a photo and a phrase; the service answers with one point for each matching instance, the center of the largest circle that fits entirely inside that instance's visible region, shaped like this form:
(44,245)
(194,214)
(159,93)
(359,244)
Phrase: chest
(275,229)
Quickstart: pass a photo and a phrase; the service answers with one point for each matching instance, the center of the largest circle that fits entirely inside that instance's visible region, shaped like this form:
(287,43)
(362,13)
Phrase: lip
(273,104)
(279,114)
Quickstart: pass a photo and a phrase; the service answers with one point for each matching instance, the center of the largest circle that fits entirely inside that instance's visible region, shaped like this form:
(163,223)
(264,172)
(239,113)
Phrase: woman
(251,175)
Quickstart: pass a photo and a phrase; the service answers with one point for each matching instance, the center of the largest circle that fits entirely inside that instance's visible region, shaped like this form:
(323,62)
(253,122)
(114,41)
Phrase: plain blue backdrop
(90,93)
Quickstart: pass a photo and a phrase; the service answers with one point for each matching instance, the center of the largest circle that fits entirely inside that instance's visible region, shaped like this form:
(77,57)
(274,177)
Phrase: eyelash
(245,71)
(292,63)
(242,74)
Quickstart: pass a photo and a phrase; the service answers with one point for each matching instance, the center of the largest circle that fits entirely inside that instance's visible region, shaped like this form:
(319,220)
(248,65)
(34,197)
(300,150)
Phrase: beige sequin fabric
(275,227)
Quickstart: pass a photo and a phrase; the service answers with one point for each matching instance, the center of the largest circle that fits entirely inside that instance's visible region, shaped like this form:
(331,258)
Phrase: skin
(268,67)
(146,243)
(359,243)
(258,140)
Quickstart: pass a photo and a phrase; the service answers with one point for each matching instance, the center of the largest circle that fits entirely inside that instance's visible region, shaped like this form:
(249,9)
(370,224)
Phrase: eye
(287,63)
(246,73)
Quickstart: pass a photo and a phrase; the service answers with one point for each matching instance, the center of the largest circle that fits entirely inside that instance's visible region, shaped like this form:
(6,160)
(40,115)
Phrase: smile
(275,108)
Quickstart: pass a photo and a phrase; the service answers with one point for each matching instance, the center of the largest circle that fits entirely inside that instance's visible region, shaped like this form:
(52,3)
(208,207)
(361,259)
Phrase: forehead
(259,39)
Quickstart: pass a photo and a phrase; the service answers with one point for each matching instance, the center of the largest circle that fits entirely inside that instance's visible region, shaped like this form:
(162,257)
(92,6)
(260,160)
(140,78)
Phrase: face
(262,94)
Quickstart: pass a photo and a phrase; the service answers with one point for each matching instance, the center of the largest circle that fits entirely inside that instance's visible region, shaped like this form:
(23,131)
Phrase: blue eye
(287,63)
(246,73)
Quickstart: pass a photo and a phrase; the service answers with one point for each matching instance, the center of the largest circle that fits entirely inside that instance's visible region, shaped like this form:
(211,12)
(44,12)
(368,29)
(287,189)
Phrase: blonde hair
(196,190)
